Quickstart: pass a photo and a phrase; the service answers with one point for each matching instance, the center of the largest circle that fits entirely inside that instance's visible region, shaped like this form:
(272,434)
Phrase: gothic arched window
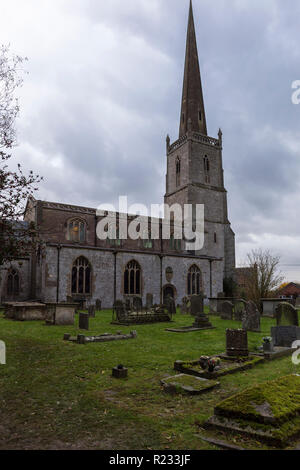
(81,276)
(76,230)
(206,169)
(13,283)
(178,170)
(132,278)
(194,280)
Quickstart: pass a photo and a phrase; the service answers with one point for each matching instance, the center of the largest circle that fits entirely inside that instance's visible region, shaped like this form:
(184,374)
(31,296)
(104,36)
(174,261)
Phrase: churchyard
(60,394)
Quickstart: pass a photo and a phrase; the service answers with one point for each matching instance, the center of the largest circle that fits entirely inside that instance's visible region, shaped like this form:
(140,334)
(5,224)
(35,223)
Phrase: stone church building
(73,263)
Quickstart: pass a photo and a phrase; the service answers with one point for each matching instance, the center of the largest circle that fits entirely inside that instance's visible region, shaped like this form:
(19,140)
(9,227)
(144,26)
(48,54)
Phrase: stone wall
(229,251)
(23,267)
(103,263)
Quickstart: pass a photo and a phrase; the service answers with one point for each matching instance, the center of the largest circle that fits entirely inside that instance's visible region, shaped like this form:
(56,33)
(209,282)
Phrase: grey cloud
(104,89)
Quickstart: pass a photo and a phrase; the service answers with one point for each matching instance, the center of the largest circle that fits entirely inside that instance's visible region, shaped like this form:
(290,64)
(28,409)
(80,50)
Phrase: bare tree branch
(15,186)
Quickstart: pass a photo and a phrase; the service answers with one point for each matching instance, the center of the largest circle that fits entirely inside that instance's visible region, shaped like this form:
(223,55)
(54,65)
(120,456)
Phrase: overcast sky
(104,89)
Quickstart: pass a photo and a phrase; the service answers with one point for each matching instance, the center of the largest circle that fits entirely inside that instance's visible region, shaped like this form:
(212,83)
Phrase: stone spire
(192,109)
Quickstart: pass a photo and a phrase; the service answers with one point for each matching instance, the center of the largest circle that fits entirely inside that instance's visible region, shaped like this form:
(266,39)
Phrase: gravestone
(197,310)
(251,318)
(127,304)
(197,305)
(149,301)
(184,306)
(120,310)
(285,336)
(239,310)
(98,305)
(83,321)
(137,304)
(92,311)
(226,310)
(170,305)
(286,315)
(237,343)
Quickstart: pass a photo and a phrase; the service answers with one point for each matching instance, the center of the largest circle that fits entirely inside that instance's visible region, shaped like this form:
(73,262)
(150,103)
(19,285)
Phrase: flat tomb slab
(189,329)
(143,319)
(226,367)
(269,412)
(277,353)
(183,383)
(106,337)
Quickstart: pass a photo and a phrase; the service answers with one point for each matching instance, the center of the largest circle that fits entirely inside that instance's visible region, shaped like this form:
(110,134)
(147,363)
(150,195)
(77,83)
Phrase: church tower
(194,163)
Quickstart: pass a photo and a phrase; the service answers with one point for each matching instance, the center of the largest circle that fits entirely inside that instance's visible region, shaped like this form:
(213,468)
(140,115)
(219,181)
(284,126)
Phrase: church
(73,264)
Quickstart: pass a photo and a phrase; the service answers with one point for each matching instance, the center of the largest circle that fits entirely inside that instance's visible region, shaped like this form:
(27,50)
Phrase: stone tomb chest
(61,313)
(25,311)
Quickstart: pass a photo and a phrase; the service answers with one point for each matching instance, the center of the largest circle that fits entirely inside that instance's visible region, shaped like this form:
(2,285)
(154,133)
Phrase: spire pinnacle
(192,108)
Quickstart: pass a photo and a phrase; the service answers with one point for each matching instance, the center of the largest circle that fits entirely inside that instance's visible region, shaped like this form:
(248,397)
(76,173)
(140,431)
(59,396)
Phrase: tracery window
(194,280)
(132,278)
(206,169)
(13,283)
(76,230)
(81,276)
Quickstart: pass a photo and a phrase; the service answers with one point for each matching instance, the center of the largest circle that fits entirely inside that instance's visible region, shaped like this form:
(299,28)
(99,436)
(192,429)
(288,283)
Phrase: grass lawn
(60,395)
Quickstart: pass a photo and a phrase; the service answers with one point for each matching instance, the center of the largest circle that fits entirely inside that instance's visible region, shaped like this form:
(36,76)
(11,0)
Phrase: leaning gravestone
(226,310)
(83,321)
(251,318)
(149,301)
(237,343)
(92,311)
(98,305)
(286,315)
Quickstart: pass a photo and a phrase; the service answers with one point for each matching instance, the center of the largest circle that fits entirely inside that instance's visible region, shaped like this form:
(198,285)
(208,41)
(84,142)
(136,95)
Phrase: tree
(263,278)
(15,187)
